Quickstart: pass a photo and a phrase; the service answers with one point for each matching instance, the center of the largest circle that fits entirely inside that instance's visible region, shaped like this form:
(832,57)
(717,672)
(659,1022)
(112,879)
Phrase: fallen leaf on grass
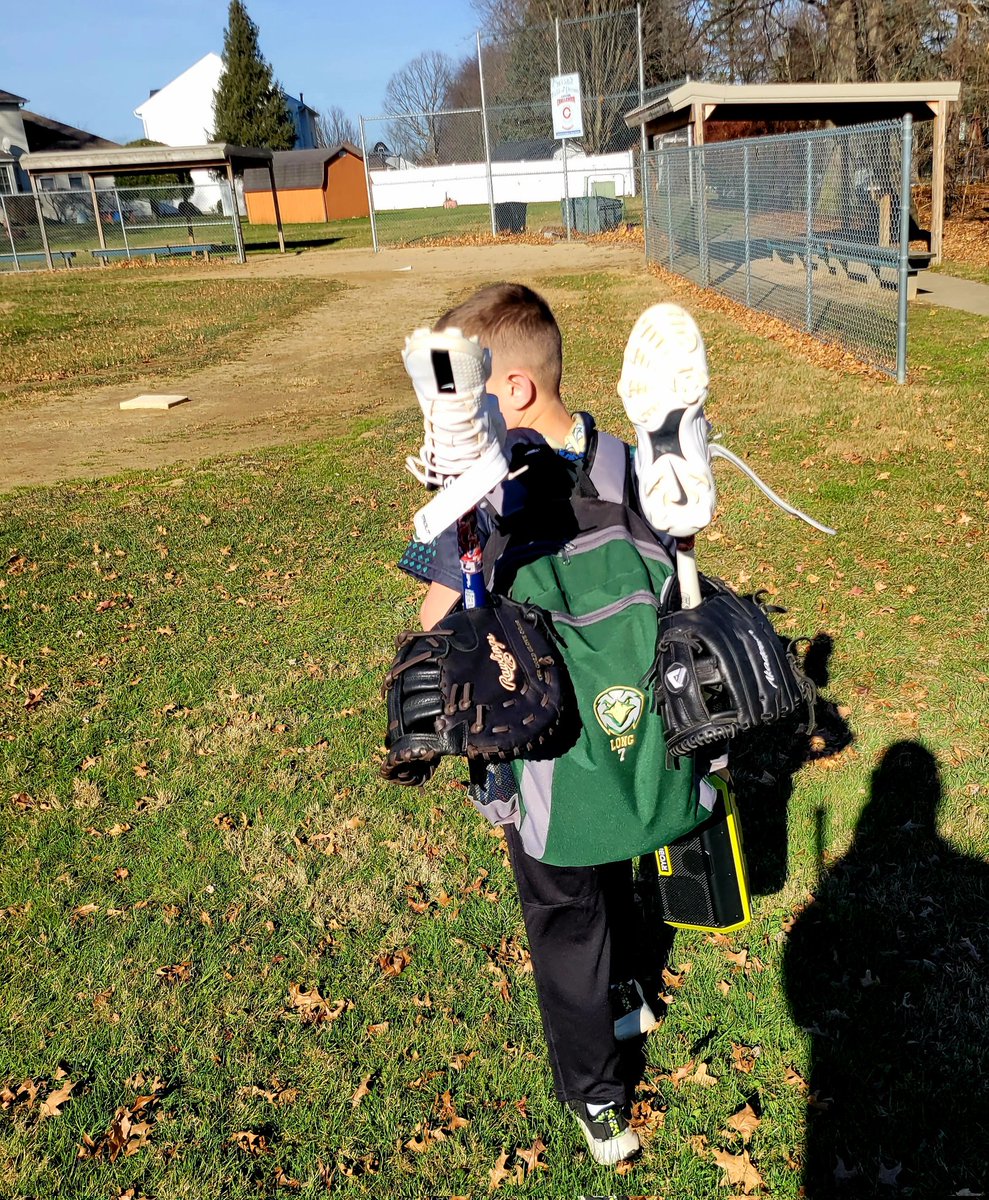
(52,1105)
(792,1079)
(702,1076)
(313,1008)
(499,1172)
(394,964)
(738,1170)
(743,1058)
(253,1144)
(284,1180)
(26,1091)
(744,1122)
(362,1090)
(446,1111)
(176,973)
(698,1143)
(378,1029)
(129,1131)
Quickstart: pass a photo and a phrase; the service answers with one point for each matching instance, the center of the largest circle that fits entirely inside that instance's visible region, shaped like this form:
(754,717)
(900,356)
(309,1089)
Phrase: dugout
(313,186)
(219,157)
(718,112)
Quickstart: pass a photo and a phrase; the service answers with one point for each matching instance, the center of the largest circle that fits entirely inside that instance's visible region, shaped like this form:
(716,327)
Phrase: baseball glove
(721,669)
(487,683)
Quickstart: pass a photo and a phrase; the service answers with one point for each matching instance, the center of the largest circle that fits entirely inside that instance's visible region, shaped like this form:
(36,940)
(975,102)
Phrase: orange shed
(313,185)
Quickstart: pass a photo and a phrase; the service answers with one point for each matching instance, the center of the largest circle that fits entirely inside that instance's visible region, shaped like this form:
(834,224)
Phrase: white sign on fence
(568,118)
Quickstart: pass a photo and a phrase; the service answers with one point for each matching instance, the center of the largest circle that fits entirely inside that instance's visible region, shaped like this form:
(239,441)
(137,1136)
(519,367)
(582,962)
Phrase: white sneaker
(663,386)
(463,449)
(631,1011)
(608,1134)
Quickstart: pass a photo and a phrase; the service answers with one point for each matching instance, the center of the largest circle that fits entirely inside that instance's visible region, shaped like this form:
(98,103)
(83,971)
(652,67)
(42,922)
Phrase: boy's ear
(520,390)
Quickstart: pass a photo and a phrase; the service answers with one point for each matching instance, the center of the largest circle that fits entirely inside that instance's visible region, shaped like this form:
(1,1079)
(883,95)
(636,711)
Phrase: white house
(181,113)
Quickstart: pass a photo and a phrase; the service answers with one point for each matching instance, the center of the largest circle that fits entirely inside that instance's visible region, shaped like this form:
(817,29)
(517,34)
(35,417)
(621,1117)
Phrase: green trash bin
(592,214)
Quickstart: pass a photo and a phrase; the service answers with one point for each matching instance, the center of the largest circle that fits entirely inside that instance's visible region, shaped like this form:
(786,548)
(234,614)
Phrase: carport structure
(717,112)
(96,164)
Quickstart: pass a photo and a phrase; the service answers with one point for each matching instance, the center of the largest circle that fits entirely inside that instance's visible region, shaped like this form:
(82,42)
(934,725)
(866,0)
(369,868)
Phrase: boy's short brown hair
(514,322)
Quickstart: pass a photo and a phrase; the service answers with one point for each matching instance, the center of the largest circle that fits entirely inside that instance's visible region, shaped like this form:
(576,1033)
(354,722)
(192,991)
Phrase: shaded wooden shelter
(96,164)
(715,112)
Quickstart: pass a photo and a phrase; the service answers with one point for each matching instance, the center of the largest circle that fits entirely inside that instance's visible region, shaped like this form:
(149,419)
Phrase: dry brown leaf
(698,1143)
(313,1008)
(83,911)
(793,1079)
(52,1104)
(394,964)
(284,1180)
(362,1090)
(745,1122)
(499,1173)
(129,1131)
(680,1074)
(724,987)
(702,1076)
(253,1144)
(378,1029)
(738,1170)
(176,973)
(743,1058)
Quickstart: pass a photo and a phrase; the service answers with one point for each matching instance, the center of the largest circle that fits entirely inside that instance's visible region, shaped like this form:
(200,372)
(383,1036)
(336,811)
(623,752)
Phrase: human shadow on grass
(764,761)
(888,971)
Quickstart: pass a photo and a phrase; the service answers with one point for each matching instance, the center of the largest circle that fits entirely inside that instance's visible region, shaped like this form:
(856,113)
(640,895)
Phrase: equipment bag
(582,553)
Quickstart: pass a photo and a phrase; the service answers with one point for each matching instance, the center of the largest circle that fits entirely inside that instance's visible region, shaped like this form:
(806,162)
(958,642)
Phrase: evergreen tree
(248,106)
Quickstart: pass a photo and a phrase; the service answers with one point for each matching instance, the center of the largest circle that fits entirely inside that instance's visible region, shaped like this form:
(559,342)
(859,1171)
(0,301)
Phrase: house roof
(842,102)
(10,98)
(533,150)
(44,134)
(297,168)
(209,66)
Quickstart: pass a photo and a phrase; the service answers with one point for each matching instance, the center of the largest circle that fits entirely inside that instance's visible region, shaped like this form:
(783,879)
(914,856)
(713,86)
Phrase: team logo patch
(618,710)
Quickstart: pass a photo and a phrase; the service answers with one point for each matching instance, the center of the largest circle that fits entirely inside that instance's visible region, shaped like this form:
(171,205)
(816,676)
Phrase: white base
(152,401)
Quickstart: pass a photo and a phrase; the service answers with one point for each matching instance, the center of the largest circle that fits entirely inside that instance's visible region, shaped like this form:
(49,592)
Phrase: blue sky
(91,65)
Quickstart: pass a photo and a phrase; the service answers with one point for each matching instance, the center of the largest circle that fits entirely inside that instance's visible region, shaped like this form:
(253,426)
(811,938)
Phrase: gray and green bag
(582,553)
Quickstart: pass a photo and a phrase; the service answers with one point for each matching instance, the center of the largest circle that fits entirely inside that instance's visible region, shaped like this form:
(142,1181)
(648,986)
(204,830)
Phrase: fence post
(367,182)
(41,227)
(699,151)
(10,233)
(748,225)
(906,171)
(228,183)
(643,141)
(809,314)
(123,228)
(667,176)
(484,131)
(96,212)
(563,141)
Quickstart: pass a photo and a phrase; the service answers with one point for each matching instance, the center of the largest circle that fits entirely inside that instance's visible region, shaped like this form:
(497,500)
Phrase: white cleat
(463,449)
(663,387)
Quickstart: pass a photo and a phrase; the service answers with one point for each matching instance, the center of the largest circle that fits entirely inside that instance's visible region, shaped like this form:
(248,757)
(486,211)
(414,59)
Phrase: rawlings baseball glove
(721,668)
(486,683)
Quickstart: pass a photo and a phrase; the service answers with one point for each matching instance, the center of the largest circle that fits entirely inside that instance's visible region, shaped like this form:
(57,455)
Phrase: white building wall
(529,182)
(181,114)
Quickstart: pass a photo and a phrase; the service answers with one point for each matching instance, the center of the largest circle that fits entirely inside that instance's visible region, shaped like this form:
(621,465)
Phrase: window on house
(76,183)
(46,183)
(6,180)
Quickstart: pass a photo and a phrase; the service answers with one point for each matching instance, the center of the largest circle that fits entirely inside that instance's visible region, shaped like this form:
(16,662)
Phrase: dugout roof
(696,106)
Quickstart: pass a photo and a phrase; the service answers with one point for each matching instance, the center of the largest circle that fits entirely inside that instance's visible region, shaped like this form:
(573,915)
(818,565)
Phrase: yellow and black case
(701,878)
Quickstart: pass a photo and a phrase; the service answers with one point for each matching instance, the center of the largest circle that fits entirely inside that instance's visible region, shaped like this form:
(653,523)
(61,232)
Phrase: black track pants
(580,923)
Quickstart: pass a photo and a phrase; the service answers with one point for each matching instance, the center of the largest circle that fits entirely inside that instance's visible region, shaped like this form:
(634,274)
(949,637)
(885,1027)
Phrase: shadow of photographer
(888,971)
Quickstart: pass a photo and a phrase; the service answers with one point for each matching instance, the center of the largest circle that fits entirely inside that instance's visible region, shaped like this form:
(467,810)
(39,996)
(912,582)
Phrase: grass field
(237,964)
(86,329)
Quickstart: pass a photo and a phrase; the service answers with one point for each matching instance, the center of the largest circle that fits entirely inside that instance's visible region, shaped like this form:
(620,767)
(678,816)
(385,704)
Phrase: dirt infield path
(308,379)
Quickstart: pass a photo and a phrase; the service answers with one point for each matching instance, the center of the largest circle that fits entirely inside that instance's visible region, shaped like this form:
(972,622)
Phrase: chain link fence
(77,228)
(813,228)
(496,167)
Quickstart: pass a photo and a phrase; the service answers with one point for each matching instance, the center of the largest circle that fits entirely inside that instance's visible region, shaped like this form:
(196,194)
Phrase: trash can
(592,214)
(510,216)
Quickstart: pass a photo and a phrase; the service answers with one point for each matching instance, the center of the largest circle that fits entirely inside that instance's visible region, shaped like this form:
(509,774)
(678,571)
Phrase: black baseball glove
(721,669)
(487,683)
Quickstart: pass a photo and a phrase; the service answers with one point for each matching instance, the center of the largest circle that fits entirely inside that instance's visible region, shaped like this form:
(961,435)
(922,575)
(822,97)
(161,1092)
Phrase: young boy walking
(579,920)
